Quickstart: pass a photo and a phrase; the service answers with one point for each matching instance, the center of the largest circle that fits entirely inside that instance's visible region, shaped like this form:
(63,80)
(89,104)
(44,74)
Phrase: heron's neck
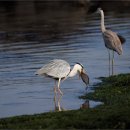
(74,71)
(102,22)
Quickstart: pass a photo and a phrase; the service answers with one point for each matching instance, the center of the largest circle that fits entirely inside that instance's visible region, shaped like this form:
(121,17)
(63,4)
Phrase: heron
(112,40)
(59,69)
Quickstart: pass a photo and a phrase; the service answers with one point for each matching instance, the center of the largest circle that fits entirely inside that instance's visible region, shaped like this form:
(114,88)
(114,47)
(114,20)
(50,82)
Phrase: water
(26,43)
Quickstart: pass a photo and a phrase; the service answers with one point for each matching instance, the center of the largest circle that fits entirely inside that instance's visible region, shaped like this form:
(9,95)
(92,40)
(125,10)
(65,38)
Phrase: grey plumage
(112,40)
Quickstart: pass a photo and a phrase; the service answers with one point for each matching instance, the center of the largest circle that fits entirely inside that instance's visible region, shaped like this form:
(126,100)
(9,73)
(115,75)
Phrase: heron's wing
(112,41)
(56,68)
(122,39)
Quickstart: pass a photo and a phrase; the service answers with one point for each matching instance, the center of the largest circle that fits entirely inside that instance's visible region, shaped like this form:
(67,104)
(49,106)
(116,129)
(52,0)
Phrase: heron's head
(82,73)
(99,10)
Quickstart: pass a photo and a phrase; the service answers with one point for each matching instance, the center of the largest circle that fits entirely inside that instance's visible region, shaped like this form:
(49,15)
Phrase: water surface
(27,43)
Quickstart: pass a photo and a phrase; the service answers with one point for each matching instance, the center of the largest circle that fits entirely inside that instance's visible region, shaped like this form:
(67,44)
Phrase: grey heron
(112,40)
(60,70)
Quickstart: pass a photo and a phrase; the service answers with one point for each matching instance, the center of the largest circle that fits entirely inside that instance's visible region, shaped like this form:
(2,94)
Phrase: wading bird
(112,40)
(60,70)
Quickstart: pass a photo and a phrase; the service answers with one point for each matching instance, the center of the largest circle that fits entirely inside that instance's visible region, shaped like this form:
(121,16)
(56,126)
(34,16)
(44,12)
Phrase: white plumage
(60,69)
(56,68)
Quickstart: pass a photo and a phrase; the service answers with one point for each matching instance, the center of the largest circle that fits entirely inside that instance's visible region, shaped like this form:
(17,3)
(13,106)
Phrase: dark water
(30,39)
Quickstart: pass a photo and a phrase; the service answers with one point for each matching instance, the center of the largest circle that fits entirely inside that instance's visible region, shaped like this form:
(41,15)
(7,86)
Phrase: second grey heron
(112,40)
(60,70)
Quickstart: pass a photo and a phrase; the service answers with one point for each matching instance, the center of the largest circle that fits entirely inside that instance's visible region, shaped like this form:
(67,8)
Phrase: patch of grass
(114,90)
(113,114)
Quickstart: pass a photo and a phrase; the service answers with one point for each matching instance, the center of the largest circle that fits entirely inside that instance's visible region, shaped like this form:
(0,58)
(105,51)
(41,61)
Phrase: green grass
(113,114)
(114,90)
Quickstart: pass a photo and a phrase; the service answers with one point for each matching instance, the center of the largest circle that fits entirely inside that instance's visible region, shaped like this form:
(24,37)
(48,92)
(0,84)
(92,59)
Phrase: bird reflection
(85,105)
(58,107)
(57,100)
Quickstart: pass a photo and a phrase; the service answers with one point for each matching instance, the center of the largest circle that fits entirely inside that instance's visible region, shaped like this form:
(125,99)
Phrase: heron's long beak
(84,76)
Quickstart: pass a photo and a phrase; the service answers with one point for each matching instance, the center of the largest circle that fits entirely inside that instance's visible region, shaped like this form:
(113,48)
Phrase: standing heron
(60,70)
(112,40)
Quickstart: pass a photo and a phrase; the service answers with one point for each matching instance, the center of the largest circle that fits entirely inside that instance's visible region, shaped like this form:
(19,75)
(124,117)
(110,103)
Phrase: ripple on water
(22,92)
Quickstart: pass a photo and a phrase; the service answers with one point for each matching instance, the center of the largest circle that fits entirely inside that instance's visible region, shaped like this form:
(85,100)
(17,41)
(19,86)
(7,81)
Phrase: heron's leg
(112,62)
(55,88)
(58,103)
(109,61)
(59,86)
(55,101)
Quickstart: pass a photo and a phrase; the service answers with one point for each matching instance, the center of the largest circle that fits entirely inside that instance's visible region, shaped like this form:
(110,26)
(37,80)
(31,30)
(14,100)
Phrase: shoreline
(114,91)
